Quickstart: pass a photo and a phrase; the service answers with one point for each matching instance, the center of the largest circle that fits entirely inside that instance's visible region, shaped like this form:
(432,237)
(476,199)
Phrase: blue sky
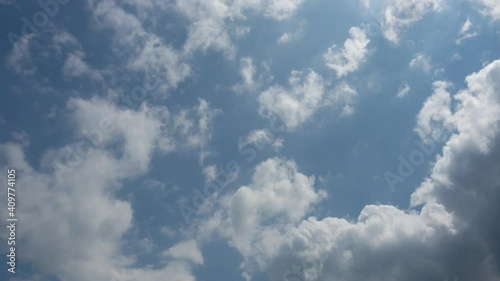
(260,140)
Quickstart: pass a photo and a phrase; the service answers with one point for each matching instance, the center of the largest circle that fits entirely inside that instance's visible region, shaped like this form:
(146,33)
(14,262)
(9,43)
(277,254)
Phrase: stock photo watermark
(417,157)
(11,220)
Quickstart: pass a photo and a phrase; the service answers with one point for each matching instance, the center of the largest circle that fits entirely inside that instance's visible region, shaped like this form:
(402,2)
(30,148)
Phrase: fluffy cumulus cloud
(20,58)
(193,127)
(253,76)
(349,58)
(77,220)
(104,124)
(134,48)
(256,214)
(290,37)
(491,8)
(112,143)
(80,180)
(28,52)
(247,72)
(465,178)
(344,97)
(260,138)
(386,243)
(93,220)
(75,66)
(433,120)
(143,50)
(307,93)
(448,233)
(380,245)
(186,250)
(274,236)
(296,104)
(421,62)
(212,22)
(151,127)
(397,15)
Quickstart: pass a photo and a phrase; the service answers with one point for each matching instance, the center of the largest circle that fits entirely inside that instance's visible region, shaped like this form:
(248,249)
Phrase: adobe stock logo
(39,20)
(417,157)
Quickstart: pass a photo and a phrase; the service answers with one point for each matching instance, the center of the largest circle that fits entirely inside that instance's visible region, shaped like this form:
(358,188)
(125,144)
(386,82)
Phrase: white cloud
(289,37)
(286,37)
(454,209)
(209,33)
(398,15)
(241,31)
(403,90)
(140,130)
(167,231)
(469,164)
(210,172)
(277,181)
(75,66)
(344,96)
(27,53)
(351,56)
(297,104)
(278,195)
(459,40)
(466,27)
(21,137)
(211,22)
(433,119)
(20,58)
(457,57)
(160,60)
(94,221)
(280,9)
(194,127)
(422,62)
(264,222)
(186,250)
(153,184)
(375,245)
(80,179)
(491,8)
(146,245)
(465,32)
(247,72)
(176,271)
(307,93)
(260,138)
(144,51)
(253,76)
(449,230)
